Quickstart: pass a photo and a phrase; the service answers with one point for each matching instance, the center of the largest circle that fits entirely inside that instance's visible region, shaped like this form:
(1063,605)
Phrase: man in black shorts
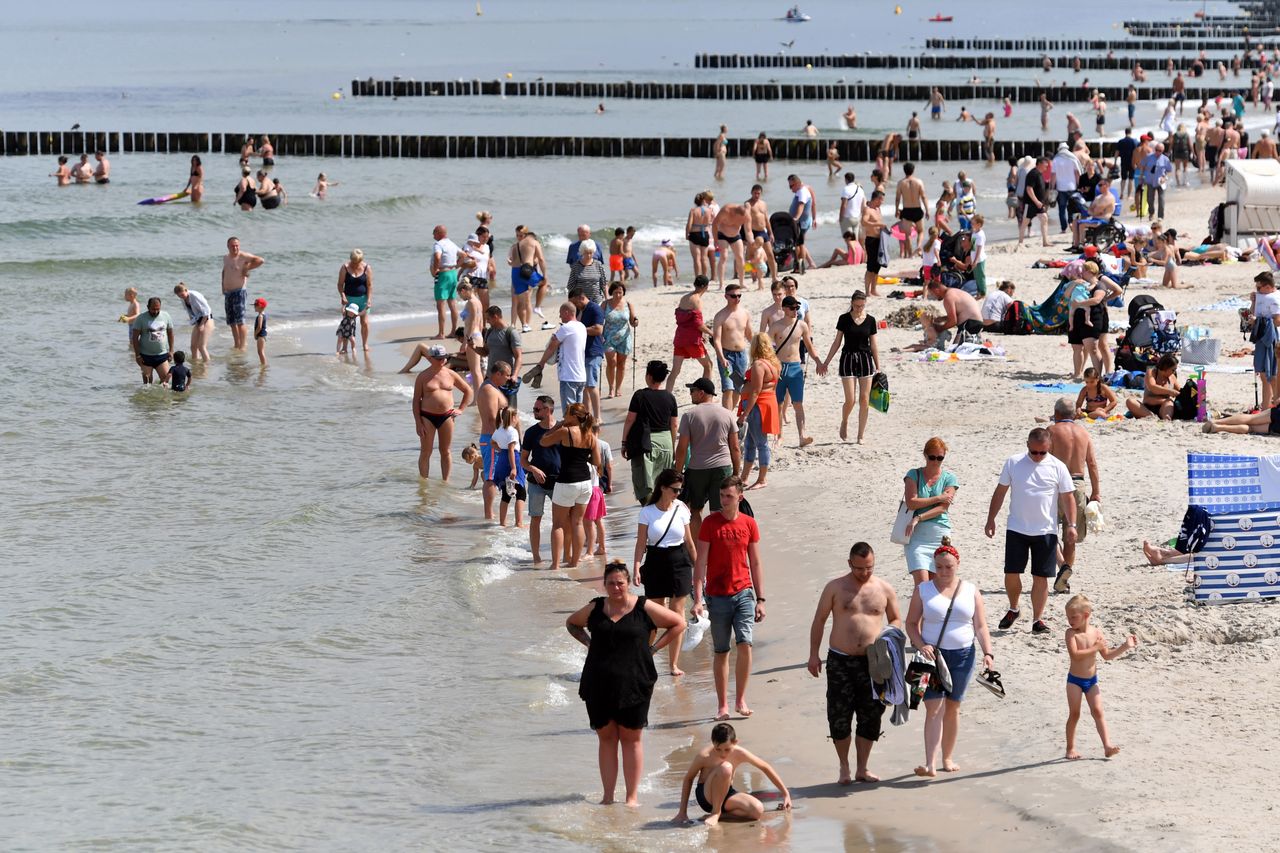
(873,232)
(1037,480)
(1125,147)
(910,203)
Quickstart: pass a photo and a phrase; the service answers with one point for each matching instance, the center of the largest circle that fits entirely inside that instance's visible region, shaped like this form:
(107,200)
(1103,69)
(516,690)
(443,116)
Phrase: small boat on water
(942,19)
(795,16)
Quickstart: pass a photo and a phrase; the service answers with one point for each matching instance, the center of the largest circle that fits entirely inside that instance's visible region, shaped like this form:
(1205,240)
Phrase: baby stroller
(950,247)
(785,234)
(1152,333)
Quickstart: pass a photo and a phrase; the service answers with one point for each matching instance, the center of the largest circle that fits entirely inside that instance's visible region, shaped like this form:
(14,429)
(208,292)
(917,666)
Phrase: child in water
(1095,400)
(347,328)
(471,456)
(1084,644)
(132,309)
(714,767)
(179,374)
(260,329)
(321,190)
(508,474)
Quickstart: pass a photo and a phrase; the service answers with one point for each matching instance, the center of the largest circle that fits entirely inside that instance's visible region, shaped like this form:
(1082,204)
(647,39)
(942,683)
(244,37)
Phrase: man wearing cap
(709,435)
(1066,178)
(788,333)
(433,409)
(201,316)
(444,269)
(1101,209)
(570,340)
(1155,170)
(591,316)
(236,266)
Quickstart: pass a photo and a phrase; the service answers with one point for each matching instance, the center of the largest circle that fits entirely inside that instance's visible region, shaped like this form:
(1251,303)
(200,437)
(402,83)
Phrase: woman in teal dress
(619,320)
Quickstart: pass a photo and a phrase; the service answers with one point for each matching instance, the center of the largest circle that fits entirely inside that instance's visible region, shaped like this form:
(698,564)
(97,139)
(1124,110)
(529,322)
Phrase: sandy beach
(1188,766)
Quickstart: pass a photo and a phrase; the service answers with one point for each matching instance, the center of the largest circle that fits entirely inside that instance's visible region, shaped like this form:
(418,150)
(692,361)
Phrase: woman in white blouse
(665,551)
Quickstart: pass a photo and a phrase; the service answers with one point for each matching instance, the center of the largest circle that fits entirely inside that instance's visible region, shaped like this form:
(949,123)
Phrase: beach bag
(899,536)
(1187,404)
(921,671)
(1202,351)
(639,442)
(880,393)
(1197,525)
(1015,320)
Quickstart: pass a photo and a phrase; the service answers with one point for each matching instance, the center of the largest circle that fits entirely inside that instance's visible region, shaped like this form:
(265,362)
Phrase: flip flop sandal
(990,679)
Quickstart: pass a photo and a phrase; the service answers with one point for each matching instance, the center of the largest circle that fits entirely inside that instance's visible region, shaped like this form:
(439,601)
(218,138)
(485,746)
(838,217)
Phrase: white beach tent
(1253,199)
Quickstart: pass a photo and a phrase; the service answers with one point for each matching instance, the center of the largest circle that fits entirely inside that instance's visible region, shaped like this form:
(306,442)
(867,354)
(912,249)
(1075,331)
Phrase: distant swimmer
(851,118)
(810,131)
(721,151)
(267,152)
(63,174)
(102,171)
(83,172)
(936,104)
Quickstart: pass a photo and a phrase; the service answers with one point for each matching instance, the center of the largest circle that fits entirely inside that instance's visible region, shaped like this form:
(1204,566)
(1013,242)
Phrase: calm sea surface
(235,621)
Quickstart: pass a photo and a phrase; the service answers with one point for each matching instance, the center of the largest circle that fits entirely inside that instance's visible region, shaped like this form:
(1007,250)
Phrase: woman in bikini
(762,152)
(195,183)
(1160,392)
(758,410)
(433,410)
(697,230)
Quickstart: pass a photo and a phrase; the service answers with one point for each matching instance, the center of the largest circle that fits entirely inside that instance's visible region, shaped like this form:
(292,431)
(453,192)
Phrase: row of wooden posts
(1233,44)
(928,61)
(16,143)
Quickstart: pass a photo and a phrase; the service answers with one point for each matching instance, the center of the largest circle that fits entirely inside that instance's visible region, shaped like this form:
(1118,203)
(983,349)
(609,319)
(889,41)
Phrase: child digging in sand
(1084,644)
(714,767)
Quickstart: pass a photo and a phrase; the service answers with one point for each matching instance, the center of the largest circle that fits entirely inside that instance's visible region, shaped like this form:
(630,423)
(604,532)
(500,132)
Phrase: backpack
(1216,223)
(1197,526)
(1187,404)
(1015,320)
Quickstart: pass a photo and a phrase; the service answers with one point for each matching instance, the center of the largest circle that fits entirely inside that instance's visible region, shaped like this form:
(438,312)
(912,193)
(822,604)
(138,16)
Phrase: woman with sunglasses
(665,552)
(859,361)
(928,492)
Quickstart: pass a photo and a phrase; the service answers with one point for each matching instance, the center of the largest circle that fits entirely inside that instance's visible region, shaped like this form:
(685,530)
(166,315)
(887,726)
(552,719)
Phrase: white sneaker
(538,311)
(525,330)
(546,324)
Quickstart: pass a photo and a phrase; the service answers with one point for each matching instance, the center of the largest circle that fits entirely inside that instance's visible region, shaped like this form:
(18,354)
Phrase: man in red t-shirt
(729,562)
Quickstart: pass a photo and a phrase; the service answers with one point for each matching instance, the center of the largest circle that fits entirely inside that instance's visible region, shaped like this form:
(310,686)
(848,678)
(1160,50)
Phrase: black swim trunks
(849,693)
(735,238)
(699,238)
(912,214)
(764,235)
(873,254)
(700,794)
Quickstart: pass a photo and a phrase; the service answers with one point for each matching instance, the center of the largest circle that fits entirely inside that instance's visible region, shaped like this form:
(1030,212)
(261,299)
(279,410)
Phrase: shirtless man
(665,256)
(102,171)
(773,311)
(872,231)
(491,399)
(788,332)
(936,104)
(1070,442)
(82,172)
(1230,150)
(859,606)
(1265,147)
(910,204)
(760,228)
(525,256)
(433,410)
(730,333)
(1213,146)
(1101,209)
(728,226)
(913,127)
(236,266)
(961,312)
(472,330)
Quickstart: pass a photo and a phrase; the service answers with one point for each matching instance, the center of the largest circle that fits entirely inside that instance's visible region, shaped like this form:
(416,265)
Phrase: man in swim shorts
(489,401)
(910,202)
(936,103)
(729,226)
(236,266)
(151,336)
(528,270)
(730,336)
(1070,442)
(788,333)
(444,269)
(872,233)
(859,606)
(760,228)
(102,171)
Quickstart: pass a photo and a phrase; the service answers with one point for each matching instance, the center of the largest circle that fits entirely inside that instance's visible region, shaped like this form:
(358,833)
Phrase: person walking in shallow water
(618,676)
(433,410)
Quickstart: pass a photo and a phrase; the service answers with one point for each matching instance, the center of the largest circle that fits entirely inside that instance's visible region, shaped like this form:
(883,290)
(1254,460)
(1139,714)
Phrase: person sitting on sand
(858,604)
(850,255)
(1096,399)
(1165,253)
(1084,644)
(714,767)
(1160,391)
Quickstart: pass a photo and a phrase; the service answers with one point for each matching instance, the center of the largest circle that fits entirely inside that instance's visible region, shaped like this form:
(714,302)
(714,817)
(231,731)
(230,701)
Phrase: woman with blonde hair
(928,492)
(758,411)
(578,449)
(355,287)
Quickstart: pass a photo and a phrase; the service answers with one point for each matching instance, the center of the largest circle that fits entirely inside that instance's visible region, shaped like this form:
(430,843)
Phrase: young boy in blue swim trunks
(1084,644)
(714,767)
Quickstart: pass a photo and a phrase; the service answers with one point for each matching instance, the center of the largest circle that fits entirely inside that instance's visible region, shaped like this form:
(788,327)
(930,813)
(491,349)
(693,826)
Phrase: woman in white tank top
(935,634)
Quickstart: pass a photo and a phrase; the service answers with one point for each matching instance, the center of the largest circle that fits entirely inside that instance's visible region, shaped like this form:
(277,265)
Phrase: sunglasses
(1037,452)
(933,458)
(733,296)
(676,486)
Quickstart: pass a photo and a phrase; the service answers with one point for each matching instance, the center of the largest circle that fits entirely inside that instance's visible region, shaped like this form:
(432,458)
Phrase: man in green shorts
(444,268)
(709,439)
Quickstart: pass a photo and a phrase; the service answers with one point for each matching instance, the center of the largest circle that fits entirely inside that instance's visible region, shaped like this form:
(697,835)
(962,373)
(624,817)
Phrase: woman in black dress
(859,361)
(618,677)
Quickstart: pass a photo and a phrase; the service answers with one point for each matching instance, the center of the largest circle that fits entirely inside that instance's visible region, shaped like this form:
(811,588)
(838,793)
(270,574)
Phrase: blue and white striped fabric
(1240,560)
(1226,483)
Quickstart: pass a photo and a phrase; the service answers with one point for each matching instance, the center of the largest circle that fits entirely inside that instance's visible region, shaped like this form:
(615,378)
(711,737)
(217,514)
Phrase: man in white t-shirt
(444,269)
(1037,480)
(993,307)
(1066,179)
(570,340)
(852,198)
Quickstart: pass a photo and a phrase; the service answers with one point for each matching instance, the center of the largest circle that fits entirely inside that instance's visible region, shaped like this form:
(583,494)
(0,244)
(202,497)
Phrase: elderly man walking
(1155,171)
(1037,481)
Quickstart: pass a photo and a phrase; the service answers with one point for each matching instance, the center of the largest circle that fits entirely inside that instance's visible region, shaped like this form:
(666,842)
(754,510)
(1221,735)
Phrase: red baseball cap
(1091,251)
(262,303)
